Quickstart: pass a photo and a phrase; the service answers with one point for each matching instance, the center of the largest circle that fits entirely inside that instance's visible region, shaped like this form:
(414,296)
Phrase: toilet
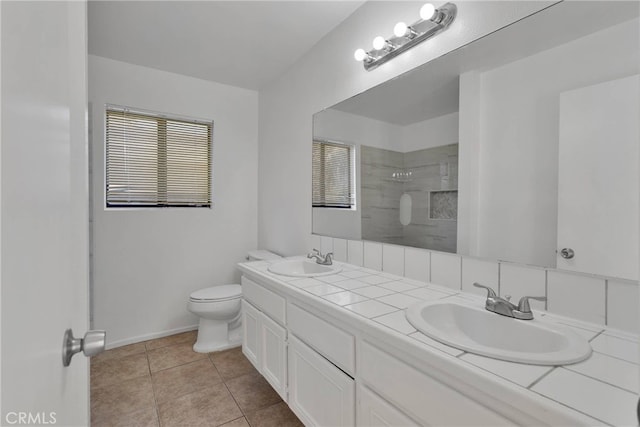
(218,308)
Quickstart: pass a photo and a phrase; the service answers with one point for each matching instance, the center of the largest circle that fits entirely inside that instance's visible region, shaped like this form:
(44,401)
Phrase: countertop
(603,387)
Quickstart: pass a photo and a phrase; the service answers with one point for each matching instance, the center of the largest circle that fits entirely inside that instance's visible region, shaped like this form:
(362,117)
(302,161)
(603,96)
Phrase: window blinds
(154,161)
(332,176)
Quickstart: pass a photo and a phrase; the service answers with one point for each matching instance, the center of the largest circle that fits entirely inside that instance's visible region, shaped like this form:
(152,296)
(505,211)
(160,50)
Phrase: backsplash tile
(355,252)
(340,250)
(393,259)
(326,244)
(417,264)
(576,295)
(483,272)
(315,242)
(373,255)
(518,281)
(579,296)
(445,270)
(622,305)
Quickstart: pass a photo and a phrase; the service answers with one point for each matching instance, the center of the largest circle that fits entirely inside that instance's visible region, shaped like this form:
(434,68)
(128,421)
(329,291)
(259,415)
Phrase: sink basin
(479,331)
(303,268)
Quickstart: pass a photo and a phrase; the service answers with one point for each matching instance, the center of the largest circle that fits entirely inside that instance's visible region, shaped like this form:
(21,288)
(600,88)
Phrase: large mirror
(522,146)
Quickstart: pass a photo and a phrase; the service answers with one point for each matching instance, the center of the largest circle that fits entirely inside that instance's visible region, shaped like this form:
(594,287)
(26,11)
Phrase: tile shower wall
(596,299)
(432,169)
(380,194)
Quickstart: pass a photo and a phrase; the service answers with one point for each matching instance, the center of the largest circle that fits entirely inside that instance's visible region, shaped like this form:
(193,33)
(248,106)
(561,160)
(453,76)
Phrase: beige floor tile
(240,422)
(121,399)
(278,415)
(252,392)
(185,337)
(113,371)
(114,353)
(147,417)
(212,406)
(232,363)
(173,355)
(184,379)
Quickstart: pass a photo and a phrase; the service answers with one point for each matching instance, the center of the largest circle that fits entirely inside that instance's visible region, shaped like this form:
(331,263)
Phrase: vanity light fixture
(431,22)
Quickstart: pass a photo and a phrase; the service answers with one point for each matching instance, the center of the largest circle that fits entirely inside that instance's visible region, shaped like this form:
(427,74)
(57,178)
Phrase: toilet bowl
(218,308)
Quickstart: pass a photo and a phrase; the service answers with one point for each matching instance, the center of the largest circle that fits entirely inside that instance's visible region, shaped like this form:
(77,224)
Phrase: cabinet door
(251,333)
(273,352)
(320,394)
(373,411)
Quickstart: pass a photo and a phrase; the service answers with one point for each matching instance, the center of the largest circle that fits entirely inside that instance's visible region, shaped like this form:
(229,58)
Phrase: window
(156,161)
(333,175)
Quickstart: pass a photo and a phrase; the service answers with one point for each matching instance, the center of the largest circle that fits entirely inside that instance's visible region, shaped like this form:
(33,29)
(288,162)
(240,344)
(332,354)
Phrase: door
(320,394)
(44,201)
(251,333)
(374,411)
(598,181)
(273,355)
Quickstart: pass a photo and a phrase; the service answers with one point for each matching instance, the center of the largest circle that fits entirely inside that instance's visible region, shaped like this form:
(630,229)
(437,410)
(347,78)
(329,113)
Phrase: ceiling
(432,90)
(240,43)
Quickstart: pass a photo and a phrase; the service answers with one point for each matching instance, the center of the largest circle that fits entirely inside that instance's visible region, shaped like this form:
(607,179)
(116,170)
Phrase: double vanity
(346,345)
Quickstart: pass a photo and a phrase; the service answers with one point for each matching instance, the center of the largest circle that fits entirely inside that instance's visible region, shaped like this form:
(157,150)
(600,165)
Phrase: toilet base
(210,348)
(214,335)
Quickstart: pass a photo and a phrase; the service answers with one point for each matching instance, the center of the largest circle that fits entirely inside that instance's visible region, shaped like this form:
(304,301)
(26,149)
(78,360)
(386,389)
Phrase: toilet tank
(262,255)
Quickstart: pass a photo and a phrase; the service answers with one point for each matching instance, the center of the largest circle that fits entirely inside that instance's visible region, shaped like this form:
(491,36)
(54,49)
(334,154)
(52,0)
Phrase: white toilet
(219,310)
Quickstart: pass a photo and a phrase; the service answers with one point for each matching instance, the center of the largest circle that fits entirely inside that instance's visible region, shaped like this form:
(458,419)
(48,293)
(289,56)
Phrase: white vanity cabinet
(373,411)
(264,341)
(417,394)
(320,394)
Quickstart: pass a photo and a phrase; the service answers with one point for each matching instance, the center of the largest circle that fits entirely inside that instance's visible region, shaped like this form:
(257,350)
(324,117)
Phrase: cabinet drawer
(425,398)
(267,301)
(330,341)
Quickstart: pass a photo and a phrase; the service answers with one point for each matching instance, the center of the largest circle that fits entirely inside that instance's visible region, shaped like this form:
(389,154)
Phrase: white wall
(147,261)
(357,130)
(518,141)
(327,75)
(434,132)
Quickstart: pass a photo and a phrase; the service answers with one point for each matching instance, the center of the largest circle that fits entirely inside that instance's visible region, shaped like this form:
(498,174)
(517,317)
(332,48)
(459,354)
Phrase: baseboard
(147,337)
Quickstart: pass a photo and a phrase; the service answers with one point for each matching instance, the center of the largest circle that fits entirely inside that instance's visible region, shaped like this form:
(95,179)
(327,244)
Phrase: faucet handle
(490,292)
(523,304)
(315,251)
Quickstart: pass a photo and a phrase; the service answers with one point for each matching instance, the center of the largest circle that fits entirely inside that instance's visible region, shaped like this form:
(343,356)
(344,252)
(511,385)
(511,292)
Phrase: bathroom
(143,264)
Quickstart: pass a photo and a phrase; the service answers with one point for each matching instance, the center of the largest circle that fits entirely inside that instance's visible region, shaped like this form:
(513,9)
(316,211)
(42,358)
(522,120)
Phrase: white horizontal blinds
(332,176)
(156,161)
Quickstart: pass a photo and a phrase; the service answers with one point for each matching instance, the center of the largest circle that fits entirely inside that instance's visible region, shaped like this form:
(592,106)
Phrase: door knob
(93,343)
(567,253)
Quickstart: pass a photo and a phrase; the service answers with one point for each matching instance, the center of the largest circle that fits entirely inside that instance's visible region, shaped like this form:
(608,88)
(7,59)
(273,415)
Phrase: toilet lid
(216,293)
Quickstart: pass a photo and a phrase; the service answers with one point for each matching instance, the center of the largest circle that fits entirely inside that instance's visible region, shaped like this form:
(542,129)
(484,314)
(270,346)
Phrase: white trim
(146,337)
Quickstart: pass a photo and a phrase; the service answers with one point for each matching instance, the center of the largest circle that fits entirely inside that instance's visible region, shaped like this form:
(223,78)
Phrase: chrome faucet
(505,307)
(321,259)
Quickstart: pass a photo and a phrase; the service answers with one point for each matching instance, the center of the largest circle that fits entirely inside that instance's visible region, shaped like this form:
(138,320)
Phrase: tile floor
(163,382)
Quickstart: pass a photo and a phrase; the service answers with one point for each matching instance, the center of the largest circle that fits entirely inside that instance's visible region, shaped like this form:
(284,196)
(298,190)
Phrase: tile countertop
(603,387)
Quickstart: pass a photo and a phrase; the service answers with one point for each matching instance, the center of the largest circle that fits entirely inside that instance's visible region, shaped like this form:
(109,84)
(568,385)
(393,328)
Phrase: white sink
(303,268)
(479,331)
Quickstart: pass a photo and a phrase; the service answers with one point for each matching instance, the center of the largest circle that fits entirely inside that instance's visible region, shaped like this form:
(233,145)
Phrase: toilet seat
(217,293)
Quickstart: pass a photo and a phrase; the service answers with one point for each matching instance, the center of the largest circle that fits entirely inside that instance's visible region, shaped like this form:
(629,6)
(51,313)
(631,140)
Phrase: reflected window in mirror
(333,175)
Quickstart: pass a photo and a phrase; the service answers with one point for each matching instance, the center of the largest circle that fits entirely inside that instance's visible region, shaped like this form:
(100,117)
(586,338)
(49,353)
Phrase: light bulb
(400,29)
(427,11)
(379,42)
(359,54)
